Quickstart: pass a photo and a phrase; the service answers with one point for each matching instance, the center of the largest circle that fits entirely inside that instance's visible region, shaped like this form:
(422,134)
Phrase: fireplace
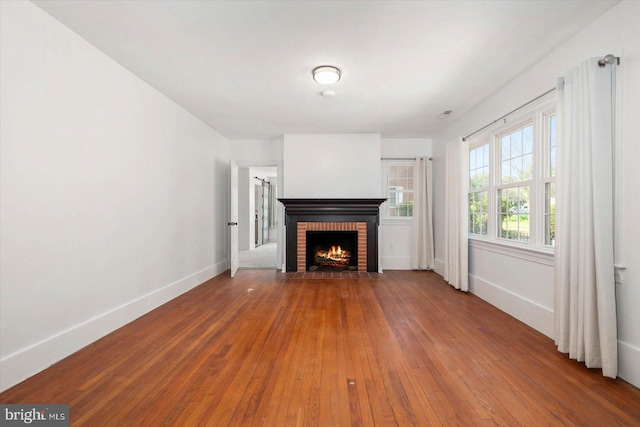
(352,223)
(332,251)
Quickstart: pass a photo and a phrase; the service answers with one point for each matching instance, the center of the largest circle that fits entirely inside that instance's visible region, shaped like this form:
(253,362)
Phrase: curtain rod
(263,180)
(510,112)
(608,59)
(400,158)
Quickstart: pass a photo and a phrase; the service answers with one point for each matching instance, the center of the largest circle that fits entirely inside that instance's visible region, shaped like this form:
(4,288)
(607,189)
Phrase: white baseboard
(530,313)
(541,319)
(27,362)
(629,363)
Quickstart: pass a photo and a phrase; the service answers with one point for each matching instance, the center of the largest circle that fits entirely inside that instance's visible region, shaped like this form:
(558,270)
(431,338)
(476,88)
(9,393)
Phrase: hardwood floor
(270,349)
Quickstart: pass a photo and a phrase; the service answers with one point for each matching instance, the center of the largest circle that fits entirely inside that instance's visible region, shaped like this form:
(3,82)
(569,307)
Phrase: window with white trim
(512,180)
(479,157)
(398,179)
(514,184)
(549,180)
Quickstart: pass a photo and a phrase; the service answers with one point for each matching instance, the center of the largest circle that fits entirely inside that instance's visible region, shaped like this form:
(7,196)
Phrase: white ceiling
(244,67)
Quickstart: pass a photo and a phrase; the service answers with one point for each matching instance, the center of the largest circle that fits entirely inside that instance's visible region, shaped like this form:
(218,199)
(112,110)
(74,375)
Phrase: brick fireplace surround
(303,227)
(361,215)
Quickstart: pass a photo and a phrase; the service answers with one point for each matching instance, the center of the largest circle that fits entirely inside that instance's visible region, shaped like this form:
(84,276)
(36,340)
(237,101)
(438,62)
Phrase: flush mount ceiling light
(326,74)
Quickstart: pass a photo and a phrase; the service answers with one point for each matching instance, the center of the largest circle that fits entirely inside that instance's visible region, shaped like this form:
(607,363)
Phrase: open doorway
(264,213)
(258,218)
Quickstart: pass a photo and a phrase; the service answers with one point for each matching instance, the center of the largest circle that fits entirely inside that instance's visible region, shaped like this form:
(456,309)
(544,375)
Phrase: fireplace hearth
(307,218)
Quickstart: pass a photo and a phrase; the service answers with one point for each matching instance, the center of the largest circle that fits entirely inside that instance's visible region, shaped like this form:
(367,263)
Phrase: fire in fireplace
(332,250)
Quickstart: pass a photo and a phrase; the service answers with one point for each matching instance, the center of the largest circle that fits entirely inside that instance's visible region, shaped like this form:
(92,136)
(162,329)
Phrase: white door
(233,217)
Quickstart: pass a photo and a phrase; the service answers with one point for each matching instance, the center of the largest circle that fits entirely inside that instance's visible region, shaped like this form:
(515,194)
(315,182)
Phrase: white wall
(395,236)
(531,286)
(256,152)
(112,197)
(332,166)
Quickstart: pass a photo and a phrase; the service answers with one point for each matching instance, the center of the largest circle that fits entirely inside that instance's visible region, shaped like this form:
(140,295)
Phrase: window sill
(537,255)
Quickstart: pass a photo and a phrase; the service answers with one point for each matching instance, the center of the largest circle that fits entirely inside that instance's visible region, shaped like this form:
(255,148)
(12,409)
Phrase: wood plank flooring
(268,349)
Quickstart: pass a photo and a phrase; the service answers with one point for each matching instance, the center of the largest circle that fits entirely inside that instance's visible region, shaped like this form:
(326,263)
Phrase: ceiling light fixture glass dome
(326,74)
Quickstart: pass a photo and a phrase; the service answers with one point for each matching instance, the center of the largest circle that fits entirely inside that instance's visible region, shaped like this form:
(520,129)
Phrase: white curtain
(456,263)
(422,255)
(585,305)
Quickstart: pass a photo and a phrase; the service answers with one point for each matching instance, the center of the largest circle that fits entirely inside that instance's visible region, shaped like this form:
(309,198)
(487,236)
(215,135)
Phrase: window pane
(409,184)
(527,167)
(505,172)
(505,148)
(399,189)
(552,146)
(392,196)
(516,144)
(516,154)
(405,208)
(517,171)
(483,176)
(513,213)
(479,167)
(550,214)
(502,219)
(478,213)
(527,140)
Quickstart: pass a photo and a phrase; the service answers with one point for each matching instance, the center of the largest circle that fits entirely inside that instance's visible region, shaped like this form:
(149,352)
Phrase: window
(478,189)
(514,187)
(549,180)
(398,177)
(512,180)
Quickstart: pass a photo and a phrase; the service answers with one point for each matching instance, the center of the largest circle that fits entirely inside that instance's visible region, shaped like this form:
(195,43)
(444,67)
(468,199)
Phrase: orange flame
(336,253)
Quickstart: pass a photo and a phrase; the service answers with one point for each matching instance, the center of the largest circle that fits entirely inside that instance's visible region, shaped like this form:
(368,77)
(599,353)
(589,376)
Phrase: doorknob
(232,223)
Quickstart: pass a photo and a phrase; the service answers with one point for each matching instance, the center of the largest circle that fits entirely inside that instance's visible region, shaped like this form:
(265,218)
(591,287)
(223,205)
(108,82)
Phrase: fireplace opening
(332,251)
